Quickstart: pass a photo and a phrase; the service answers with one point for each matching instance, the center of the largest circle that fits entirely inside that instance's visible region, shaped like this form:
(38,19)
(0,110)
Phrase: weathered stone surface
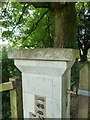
(45,54)
(44,78)
(46,73)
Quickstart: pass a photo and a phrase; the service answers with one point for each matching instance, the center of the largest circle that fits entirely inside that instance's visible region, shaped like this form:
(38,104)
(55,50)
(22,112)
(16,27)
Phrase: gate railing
(84,91)
(15,87)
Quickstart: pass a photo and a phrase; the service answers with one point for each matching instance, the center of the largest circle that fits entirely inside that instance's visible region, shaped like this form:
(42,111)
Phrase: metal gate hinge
(71,92)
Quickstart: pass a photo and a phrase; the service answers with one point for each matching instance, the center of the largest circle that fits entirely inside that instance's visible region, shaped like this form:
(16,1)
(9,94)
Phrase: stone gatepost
(45,80)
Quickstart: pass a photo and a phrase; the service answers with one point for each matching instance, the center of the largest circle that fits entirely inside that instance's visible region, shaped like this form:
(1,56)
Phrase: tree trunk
(65,22)
(65,25)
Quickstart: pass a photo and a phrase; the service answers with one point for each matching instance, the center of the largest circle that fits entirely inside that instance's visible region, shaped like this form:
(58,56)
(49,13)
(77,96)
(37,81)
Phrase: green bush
(8,71)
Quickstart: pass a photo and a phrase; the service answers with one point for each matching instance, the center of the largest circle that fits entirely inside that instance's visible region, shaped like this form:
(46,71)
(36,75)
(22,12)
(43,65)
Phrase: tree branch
(23,11)
(51,5)
(34,26)
(38,4)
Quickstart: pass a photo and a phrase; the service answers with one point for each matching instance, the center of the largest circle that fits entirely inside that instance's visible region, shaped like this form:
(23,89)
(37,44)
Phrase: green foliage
(8,70)
(26,26)
(83,34)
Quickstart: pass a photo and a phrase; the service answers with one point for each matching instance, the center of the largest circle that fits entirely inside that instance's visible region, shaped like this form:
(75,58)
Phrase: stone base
(47,79)
(45,74)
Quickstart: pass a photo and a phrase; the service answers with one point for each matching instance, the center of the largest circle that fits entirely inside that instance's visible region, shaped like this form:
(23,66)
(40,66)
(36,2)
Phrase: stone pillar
(45,80)
(84,91)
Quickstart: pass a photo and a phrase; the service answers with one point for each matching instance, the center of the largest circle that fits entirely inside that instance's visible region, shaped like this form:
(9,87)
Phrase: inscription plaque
(40,108)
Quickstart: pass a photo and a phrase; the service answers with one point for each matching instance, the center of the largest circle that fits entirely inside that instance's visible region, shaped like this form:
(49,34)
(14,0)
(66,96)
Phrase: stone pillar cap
(54,54)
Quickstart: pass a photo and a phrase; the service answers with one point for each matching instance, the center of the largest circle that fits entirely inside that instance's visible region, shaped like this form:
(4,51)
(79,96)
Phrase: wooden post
(6,86)
(84,91)
(16,99)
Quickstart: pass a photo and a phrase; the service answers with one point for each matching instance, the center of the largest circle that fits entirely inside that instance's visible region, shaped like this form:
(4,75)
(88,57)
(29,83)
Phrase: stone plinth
(45,80)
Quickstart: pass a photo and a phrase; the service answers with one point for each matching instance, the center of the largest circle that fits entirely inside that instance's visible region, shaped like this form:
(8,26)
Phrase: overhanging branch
(34,26)
(23,11)
(38,4)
